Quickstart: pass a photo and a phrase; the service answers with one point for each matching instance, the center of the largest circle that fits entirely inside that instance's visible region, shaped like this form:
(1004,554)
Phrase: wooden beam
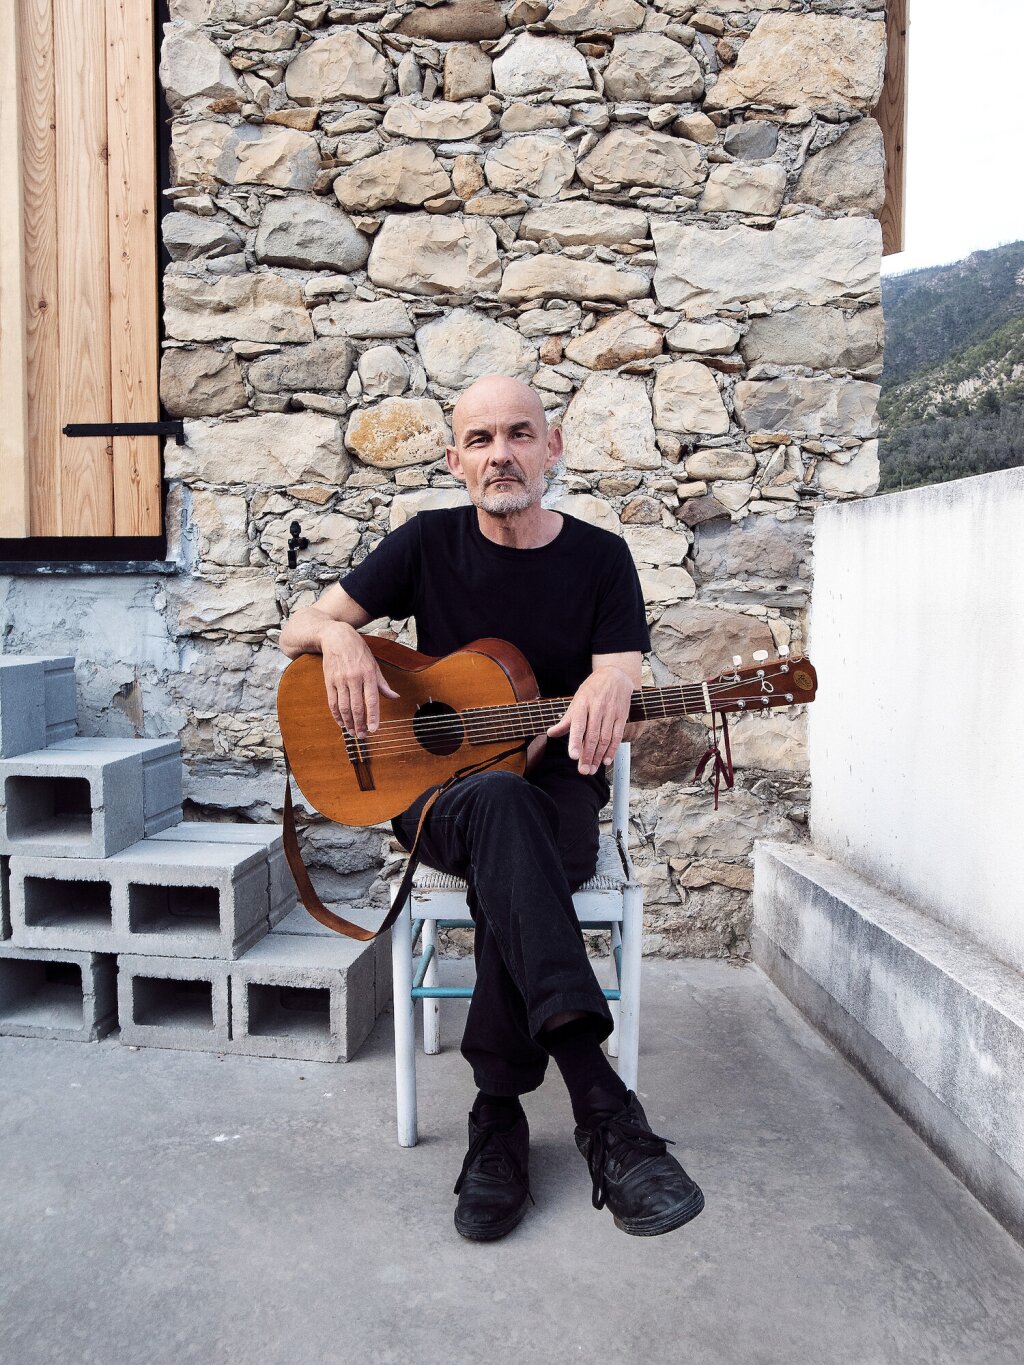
(14,461)
(891,113)
(134,333)
(83,274)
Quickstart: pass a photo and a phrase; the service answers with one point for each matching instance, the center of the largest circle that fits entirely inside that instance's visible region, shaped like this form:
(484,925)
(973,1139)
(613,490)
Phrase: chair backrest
(620,793)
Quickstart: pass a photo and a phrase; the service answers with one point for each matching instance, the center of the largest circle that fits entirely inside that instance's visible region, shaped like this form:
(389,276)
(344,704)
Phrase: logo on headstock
(803,679)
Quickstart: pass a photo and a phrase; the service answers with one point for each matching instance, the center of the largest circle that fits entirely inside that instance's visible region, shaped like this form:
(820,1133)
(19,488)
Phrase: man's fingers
(599,734)
(385,687)
(371,708)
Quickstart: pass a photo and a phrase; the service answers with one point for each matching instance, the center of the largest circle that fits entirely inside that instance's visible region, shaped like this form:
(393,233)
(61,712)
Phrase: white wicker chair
(612,900)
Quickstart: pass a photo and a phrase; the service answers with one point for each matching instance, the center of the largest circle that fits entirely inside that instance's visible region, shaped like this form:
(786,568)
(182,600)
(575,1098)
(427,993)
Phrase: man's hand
(596,717)
(353,679)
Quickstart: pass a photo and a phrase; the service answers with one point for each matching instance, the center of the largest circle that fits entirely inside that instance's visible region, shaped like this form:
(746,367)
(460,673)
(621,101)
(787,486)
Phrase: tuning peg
(783,651)
(737,659)
(759,656)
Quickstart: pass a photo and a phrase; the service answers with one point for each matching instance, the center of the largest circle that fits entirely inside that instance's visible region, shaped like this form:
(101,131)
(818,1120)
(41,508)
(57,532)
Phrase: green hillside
(952,399)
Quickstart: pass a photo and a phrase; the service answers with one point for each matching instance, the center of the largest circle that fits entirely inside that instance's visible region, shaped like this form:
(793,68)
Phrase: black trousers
(523,845)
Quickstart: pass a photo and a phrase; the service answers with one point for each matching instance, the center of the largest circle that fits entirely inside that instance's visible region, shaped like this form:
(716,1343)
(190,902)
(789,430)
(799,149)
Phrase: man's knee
(505,794)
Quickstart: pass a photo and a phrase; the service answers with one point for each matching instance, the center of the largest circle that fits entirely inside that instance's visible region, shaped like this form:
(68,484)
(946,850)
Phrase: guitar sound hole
(438,727)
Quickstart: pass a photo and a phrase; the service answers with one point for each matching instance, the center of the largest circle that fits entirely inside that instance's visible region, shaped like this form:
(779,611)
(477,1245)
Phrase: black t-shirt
(560,603)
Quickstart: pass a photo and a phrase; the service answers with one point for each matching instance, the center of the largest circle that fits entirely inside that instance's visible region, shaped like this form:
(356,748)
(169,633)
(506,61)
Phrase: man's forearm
(301,633)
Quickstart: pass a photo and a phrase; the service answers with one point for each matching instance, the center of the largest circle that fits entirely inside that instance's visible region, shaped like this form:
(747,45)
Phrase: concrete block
(173,1002)
(192,899)
(88,797)
(37,702)
(5,897)
(56,994)
(927,1014)
(265,835)
(168,897)
(303,996)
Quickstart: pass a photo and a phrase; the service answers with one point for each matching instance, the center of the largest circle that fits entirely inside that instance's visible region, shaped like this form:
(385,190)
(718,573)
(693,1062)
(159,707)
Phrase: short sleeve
(387,581)
(620,620)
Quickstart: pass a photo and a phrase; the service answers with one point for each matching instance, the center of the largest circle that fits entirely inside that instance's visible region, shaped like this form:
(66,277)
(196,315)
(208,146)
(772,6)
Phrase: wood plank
(134,333)
(39,186)
(83,274)
(14,464)
(891,113)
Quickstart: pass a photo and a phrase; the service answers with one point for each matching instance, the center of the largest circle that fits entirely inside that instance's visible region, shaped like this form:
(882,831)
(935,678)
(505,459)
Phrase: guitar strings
(408,743)
(483,713)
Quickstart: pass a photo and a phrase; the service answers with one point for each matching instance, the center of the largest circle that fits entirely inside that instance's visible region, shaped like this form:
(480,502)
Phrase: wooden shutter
(78,266)
(891,113)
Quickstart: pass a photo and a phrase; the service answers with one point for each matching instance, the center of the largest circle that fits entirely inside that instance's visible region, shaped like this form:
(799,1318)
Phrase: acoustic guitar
(467,708)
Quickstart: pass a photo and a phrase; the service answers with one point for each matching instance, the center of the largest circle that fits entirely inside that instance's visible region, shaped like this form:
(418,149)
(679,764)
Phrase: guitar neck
(524,719)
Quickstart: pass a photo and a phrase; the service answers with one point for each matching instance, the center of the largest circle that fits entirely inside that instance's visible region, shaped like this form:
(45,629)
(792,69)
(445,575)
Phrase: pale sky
(965,131)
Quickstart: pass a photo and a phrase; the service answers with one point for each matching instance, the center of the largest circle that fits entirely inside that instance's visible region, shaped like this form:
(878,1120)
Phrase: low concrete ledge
(929,1017)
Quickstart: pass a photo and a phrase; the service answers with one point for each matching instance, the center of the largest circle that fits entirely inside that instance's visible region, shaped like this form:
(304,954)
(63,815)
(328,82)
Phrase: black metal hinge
(174,428)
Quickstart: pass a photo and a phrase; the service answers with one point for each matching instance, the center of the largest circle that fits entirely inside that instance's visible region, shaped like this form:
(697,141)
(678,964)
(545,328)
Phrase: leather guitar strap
(306,889)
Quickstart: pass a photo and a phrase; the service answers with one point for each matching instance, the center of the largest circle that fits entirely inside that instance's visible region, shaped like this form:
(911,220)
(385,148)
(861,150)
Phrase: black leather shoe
(493,1185)
(645,1187)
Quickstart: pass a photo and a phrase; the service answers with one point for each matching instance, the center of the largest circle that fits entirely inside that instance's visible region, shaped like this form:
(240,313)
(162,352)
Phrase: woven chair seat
(608,875)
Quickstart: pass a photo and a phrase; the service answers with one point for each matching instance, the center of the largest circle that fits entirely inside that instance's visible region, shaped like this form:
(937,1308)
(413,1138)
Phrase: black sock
(595,1089)
(497,1111)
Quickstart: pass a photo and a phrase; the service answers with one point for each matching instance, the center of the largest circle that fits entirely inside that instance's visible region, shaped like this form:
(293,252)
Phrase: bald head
(497,393)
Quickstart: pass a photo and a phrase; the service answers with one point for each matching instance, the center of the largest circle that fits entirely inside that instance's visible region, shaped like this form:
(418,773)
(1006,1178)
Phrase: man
(567,595)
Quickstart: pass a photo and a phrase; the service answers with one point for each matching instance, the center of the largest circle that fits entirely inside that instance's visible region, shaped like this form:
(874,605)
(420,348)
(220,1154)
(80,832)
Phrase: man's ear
(454,463)
(555,447)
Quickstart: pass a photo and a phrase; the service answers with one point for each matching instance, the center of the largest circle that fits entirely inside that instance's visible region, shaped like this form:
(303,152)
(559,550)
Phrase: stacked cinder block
(113,910)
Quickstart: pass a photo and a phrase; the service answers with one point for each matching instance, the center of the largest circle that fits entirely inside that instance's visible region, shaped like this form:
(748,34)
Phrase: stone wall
(660,216)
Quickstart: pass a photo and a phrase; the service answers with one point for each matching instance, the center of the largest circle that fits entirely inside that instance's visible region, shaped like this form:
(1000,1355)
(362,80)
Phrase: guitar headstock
(764,683)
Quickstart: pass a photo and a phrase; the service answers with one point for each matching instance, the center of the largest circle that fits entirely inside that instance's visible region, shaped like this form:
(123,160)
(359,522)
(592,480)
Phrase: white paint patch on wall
(916,738)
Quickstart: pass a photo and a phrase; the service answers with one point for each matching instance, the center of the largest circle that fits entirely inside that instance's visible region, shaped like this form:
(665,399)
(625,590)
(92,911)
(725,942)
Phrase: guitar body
(420,741)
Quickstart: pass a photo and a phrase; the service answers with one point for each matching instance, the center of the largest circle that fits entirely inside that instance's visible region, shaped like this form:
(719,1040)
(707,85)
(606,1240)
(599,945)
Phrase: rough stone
(696,127)
(738,188)
(339,67)
(640,156)
(720,464)
(226,11)
(219,522)
(686,399)
(383,372)
(363,320)
(540,322)
(652,68)
(704,338)
(332,537)
(688,826)
(467,176)
(799,260)
(325,363)
(201,382)
(398,431)
(556,277)
(752,140)
(463,346)
(537,164)
(579,223)
(817,60)
(848,175)
(667,750)
(666,585)
(809,407)
(658,546)
(438,120)
(423,254)
(238,603)
(187,237)
(776,741)
(608,426)
(455,21)
(401,175)
(859,477)
(467,72)
(530,118)
(250,307)
(697,642)
(759,550)
(310,234)
(207,152)
(823,338)
(593,510)
(583,16)
(533,65)
(407,505)
(191,65)
(615,341)
(272,448)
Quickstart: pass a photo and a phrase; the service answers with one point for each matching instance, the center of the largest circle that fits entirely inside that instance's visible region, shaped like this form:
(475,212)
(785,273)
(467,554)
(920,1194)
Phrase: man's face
(502,446)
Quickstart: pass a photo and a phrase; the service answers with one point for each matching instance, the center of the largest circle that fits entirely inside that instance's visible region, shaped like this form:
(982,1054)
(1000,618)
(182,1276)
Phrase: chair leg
(614,941)
(632,936)
(431,1008)
(405,1027)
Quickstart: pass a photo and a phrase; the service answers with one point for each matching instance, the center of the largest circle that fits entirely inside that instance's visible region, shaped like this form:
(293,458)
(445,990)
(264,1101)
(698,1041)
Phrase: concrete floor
(171,1207)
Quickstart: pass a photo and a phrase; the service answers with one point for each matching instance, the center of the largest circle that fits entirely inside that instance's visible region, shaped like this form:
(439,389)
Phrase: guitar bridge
(359,756)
